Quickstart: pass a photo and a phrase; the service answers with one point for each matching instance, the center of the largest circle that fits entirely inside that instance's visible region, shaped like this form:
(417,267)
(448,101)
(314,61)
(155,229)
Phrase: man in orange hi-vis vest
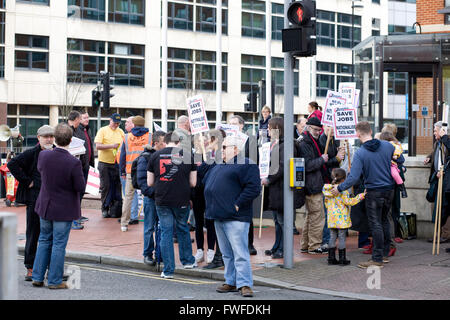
(132,147)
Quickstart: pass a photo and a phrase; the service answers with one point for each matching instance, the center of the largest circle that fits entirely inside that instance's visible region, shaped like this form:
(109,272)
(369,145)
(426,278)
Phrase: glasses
(316,129)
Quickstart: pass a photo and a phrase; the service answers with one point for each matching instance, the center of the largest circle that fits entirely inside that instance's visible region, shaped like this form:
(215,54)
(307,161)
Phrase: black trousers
(199,214)
(32,235)
(110,186)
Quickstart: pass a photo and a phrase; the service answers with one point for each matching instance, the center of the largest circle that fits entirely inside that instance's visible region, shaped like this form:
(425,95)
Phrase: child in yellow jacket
(338,216)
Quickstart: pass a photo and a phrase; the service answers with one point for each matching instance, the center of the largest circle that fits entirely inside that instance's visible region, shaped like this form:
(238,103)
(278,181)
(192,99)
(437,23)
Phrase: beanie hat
(138,121)
(314,121)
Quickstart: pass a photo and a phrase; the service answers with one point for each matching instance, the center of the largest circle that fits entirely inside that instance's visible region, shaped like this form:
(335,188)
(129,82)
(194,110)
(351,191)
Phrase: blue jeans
(233,243)
(326,231)
(278,220)
(167,216)
(51,251)
(150,223)
(135,203)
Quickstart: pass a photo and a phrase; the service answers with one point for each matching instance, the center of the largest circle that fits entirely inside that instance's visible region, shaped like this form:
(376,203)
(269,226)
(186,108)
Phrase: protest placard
(344,123)
(197,115)
(348,89)
(157,127)
(264,160)
(233,131)
(334,100)
(356,100)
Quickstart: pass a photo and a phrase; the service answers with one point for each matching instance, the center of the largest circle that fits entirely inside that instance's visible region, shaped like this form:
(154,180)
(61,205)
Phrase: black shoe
(216,263)
(296,232)
(342,258)
(268,252)
(332,256)
(105,214)
(277,255)
(403,191)
(175,240)
(149,261)
(316,251)
(447,250)
(252,250)
(134,221)
(83,219)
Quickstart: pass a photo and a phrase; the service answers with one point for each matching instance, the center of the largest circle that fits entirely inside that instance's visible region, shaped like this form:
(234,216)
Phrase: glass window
(253,60)
(326,15)
(325,66)
(206,19)
(127,11)
(84,69)
(250,78)
(30,59)
(344,68)
(345,36)
(89,9)
(2,62)
(179,75)
(347,18)
(325,34)
(2,27)
(126,49)
(324,83)
(180,16)
(127,72)
(253,25)
(40,42)
(46,2)
(254,5)
(277,8)
(277,26)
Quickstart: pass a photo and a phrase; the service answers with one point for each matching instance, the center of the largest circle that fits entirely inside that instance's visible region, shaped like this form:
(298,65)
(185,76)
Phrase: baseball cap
(46,130)
(116,117)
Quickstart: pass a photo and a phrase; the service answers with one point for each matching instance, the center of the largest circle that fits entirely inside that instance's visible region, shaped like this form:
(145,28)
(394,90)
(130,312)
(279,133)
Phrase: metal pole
(353,26)
(164,18)
(8,256)
(269,55)
(219,63)
(288,237)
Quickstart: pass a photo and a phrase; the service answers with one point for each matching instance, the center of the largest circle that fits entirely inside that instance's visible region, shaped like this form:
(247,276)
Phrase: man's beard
(47,146)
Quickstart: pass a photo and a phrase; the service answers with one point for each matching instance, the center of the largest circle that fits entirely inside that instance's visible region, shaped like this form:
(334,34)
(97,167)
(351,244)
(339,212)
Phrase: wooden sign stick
(261,213)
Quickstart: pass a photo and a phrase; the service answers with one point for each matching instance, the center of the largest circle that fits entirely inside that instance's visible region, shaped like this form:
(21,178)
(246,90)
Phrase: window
(345,36)
(325,34)
(206,19)
(127,11)
(125,70)
(278,76)
(180,16)
(85,45)
(2,4)
(83,68)
(194,69)
(324,83)
(253,21)
(46,2)
(90,10)
(31,52)
(397,83)
(277,21)
(326,15)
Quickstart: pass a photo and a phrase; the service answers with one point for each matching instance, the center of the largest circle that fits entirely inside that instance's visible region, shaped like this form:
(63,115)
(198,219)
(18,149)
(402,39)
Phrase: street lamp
(358,6)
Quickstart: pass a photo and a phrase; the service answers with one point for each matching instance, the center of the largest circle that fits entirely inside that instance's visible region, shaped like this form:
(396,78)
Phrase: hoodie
(373,161)
(137,132)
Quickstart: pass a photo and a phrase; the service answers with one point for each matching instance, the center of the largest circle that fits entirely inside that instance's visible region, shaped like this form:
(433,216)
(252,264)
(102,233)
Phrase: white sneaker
(209,256)
(199,256)
(124,229)
(166,276)
(190,266)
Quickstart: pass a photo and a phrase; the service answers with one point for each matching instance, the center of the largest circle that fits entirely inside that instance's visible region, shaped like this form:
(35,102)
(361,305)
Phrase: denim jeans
(167,216)
(150,223)
(51,251)
(278,220)
(378,205)
(233,242)
(135,203)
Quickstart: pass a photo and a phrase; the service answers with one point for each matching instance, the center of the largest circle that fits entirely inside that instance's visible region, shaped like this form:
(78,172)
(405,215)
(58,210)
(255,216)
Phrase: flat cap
(46,130)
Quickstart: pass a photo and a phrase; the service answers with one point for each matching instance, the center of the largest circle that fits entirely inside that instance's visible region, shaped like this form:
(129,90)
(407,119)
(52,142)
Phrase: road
(100,282)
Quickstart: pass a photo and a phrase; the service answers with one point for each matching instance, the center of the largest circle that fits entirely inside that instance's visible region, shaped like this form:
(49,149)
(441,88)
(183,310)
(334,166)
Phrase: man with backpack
(139,179)
(132,147)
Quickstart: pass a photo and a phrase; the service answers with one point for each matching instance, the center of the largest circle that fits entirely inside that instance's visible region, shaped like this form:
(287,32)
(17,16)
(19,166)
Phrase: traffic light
(96,98)
(106,93)
(251,106)
(300,38)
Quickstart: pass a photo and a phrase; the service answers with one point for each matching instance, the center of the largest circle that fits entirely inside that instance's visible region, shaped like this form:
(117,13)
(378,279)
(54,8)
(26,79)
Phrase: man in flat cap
(132,147)
(24,169)
(107,142)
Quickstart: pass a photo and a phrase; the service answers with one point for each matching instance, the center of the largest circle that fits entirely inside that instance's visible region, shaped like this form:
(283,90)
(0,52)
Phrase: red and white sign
(197,115)
(93,183)
(344,123)
(334,100)
(349,89)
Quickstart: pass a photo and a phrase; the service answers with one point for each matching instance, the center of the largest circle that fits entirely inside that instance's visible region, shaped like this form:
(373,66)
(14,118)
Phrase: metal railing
(8,256)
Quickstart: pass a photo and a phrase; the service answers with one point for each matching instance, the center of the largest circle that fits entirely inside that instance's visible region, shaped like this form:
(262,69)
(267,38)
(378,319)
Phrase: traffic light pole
(288,237)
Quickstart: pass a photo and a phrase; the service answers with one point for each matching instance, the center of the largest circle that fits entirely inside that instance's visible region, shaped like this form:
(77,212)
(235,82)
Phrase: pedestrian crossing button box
(297,172)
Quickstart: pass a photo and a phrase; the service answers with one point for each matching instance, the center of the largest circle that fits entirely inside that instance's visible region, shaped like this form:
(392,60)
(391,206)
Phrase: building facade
(52,51)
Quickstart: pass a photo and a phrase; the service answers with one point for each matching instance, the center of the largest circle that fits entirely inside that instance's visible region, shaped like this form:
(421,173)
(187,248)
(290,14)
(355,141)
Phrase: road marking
(144,275)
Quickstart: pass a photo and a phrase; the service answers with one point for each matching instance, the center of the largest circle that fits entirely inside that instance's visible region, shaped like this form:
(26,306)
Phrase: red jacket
(317,113)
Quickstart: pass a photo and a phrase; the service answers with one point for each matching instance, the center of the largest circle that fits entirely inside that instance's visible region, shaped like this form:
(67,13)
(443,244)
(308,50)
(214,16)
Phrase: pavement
(413,273)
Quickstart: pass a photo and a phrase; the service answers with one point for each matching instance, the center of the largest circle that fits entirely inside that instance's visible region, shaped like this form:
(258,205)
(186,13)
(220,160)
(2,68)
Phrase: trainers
(370,263)
(316,251)
(166,276)
(209,256)
(148,260)
(246,292)
(84,219)
(134,221)
(190,266)
(324,247)
(216,263)
(226,288)
(124,229)
(304,250)
(199,256)
(77,226)
(385,260)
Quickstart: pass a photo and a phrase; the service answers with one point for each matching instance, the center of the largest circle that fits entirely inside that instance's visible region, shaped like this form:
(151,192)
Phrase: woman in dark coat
(58,204)
(275,183)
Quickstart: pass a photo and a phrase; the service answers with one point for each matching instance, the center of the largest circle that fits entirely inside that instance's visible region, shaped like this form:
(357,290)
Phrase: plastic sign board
(334,100)
(344,123)
(264,160)
(197,115)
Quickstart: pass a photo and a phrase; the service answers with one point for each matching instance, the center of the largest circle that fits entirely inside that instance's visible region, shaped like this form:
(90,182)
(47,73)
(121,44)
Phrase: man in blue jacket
(373,162)
(150,216)
(230,189)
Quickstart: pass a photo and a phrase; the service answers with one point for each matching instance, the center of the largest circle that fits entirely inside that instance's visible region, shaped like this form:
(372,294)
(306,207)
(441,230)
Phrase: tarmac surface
(413,273)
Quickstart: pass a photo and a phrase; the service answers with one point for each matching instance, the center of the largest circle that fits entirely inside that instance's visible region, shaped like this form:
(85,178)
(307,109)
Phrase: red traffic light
(300,12)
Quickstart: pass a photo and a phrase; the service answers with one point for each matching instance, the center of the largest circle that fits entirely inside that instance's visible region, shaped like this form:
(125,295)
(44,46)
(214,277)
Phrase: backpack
(134,165)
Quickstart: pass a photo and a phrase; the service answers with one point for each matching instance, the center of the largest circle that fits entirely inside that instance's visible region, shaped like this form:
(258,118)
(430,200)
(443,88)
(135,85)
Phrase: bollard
(8,256)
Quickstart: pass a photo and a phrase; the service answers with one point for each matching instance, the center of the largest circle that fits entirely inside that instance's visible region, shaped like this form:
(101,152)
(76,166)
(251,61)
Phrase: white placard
(197,115)
(233,131)
(157,127)
(344,123)
(334,100)
(356,99)
(349,89)
(93,182)
(264,160)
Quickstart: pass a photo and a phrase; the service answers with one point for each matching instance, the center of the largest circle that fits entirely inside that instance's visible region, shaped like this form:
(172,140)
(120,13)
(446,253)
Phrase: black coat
(332,151)
(84,158)
(276,180)
(24,169)
(86,161)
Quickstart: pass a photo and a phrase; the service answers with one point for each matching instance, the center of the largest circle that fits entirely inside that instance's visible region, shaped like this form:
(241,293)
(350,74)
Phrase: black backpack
(134,165)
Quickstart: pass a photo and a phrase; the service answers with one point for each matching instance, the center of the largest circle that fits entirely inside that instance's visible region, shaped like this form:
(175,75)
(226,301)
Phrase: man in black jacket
(83,130)
(24,168)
